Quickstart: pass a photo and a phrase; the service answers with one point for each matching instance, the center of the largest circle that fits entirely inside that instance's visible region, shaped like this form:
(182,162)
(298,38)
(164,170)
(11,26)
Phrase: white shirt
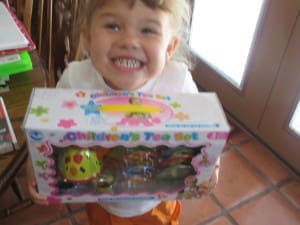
(175,78)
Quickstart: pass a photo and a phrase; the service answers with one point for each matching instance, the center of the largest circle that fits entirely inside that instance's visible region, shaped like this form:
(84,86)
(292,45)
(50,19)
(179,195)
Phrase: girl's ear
(172,47)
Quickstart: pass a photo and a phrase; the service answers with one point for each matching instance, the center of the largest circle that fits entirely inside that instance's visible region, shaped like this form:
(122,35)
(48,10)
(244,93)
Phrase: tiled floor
(255,188)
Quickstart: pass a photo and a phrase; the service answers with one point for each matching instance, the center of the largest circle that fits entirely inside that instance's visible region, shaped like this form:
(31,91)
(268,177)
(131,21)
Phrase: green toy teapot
(77,164)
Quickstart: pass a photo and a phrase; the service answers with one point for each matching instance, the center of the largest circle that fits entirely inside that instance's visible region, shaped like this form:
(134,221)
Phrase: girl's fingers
(32,186)
(36,197)
(214,179)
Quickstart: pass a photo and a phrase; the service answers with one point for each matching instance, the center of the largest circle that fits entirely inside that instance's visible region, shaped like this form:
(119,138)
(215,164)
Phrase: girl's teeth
(128,63)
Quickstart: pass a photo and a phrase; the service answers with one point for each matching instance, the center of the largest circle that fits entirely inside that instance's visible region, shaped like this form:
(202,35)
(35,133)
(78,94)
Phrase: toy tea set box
(88,145)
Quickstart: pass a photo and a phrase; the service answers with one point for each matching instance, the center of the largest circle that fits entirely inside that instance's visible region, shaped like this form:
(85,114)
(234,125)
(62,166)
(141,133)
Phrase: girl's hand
(214,178)
(32,187)
(207,187)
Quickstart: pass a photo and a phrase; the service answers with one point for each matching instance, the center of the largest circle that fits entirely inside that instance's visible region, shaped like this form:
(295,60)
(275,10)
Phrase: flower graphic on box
(66,123)
(39,110)
(69,104)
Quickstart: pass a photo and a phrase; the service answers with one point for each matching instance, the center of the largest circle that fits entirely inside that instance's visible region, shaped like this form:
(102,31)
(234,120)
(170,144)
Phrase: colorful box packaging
(88,145)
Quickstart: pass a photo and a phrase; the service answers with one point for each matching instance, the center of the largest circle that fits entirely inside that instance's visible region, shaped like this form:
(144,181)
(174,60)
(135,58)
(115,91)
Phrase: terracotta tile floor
(255,188)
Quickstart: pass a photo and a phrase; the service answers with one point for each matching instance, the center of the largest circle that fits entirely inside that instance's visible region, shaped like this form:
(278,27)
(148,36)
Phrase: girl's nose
(129,40)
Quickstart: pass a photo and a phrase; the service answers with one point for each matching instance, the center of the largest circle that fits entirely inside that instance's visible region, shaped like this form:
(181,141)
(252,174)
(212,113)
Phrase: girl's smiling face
(129,45)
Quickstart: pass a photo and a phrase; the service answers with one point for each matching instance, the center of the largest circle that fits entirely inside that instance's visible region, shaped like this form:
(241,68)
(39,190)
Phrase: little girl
(132,45)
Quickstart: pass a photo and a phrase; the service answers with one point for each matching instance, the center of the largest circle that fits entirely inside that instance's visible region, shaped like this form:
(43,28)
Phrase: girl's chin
(126,82)
(125,86)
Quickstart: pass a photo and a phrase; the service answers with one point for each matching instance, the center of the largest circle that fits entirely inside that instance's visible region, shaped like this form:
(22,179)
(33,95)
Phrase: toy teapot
(77,164)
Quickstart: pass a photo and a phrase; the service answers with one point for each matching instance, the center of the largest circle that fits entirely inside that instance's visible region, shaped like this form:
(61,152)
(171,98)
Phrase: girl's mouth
(127,64)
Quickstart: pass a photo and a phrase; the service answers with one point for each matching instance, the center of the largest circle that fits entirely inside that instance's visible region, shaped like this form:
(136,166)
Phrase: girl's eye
(113,26)
(148,30)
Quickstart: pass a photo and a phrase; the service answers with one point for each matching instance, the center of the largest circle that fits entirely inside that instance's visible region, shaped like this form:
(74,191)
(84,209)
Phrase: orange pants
(166,213)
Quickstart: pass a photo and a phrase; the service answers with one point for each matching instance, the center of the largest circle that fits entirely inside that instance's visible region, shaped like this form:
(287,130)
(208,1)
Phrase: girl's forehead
(121,7)
(130,3)
(160,5)
(160,8)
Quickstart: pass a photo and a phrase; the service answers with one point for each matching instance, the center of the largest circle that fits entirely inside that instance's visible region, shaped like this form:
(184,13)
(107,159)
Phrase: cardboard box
(88,145)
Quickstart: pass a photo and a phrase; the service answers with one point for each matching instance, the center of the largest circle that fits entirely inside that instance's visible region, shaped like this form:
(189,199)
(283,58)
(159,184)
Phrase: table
(16,101)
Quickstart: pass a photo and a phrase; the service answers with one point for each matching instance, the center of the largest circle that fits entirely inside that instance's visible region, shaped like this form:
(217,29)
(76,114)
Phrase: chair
(37,17)
(51,25)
